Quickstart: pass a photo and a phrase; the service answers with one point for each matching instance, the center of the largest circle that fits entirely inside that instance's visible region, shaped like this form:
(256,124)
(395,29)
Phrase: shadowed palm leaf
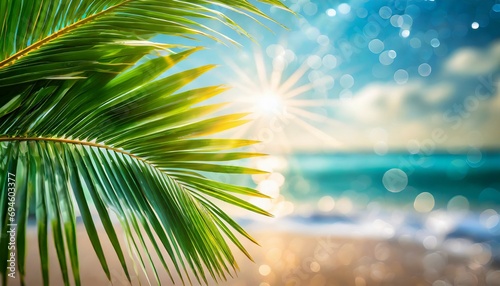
(84,126)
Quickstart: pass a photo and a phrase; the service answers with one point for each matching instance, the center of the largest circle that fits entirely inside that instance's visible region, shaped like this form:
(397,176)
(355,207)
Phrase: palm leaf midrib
(153,163)
(11,59)
(76,142)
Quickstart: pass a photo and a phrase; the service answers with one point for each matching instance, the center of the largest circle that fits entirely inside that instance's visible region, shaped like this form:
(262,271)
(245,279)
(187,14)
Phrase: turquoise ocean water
(443,201)
(359,177)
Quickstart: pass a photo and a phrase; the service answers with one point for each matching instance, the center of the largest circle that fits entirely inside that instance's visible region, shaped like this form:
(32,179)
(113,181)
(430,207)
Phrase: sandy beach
(286,258)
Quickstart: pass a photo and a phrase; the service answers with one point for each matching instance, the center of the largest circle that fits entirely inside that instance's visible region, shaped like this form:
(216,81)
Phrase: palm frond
(84,127)
(70,38)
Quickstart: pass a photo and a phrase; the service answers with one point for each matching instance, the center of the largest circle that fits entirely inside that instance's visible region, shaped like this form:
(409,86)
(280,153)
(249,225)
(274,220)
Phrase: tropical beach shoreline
(294,256)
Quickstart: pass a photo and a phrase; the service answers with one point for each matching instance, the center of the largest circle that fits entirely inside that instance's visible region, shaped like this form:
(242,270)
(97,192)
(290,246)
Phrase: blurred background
(382,119)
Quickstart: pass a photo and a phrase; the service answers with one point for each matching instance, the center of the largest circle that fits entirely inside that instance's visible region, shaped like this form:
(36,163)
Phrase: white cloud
(379,103)
(415,110)
(473,61)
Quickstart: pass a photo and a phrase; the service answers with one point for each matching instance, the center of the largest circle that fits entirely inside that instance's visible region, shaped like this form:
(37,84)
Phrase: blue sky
(376,76)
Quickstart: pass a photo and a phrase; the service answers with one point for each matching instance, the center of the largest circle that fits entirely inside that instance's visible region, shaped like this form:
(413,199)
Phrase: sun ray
(315,131)
(261,69)
(273,99)
(337,124)
(307,114)
(297,91)
(276,76)
(293,79)
(312,102)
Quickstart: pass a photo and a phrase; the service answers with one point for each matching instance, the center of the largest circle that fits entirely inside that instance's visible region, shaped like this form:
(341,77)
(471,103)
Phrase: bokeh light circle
(376,46)
(424,69)
(424,202)
(395,180)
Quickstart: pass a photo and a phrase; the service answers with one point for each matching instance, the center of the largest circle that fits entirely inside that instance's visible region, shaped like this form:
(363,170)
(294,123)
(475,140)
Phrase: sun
(279,105)
(267,103)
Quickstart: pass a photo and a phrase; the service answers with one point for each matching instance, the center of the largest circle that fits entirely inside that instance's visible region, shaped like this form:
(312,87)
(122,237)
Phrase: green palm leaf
(87,124)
